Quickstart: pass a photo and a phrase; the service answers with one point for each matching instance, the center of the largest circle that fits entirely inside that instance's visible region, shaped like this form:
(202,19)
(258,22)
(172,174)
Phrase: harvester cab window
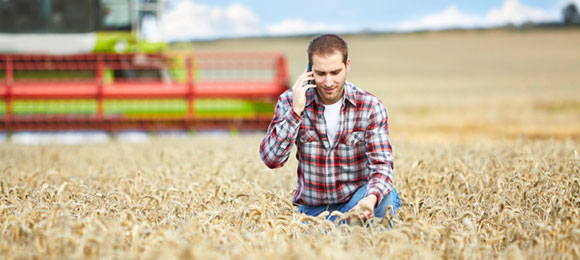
(115,14)
(46,16)
(64,16)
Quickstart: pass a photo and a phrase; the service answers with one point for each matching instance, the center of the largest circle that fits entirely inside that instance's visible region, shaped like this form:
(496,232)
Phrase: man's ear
(347,65)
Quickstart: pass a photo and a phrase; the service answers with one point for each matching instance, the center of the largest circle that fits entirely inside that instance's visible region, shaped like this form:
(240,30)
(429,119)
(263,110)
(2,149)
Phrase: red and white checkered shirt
(361,153)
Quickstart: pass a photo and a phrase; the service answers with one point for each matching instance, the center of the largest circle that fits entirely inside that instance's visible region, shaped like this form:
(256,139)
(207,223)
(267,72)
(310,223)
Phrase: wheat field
(485,132)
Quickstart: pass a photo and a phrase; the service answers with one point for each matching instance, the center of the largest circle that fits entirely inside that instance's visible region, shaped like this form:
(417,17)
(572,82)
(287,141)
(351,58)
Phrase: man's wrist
(373,199)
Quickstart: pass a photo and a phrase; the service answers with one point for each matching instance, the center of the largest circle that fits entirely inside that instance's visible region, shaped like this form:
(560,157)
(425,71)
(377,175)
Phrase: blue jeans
(380,211)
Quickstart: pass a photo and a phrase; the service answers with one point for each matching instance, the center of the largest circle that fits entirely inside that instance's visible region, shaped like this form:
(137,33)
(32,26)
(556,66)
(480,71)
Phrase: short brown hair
(327,44)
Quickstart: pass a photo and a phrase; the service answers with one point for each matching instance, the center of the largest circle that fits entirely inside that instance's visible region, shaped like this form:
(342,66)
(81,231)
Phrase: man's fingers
(306,74)
(366,215)
(309,86)
(354,209)
(306,79)
(302,81)
(369,214)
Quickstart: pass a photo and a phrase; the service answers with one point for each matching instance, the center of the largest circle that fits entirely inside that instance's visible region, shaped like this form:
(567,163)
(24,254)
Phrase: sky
(212,19)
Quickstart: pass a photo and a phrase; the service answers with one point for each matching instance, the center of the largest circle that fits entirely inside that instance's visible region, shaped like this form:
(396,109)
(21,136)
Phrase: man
(341,133)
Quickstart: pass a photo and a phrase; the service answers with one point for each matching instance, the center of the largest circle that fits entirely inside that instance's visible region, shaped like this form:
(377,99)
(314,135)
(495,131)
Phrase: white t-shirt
(332,116)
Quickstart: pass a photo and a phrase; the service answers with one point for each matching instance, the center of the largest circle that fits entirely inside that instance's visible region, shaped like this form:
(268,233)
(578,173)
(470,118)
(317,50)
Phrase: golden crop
(485,132)
(190,199)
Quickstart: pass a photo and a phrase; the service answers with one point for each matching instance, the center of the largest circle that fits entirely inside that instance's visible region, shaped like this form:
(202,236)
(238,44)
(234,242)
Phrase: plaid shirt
(361,153)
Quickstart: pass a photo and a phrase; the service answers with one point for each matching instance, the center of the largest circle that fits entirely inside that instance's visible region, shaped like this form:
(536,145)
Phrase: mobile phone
(309,69)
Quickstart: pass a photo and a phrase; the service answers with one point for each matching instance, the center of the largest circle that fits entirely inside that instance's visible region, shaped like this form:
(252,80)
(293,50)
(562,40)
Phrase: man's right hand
(299,91)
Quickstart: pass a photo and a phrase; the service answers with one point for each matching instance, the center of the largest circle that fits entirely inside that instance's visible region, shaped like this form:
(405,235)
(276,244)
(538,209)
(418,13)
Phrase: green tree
(571,16)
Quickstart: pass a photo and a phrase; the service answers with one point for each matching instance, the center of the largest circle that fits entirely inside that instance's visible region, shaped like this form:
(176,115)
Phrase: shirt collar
(349,95)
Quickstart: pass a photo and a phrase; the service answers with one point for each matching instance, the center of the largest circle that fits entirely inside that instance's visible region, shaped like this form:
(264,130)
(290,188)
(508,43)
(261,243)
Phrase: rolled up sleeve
(275,148)
(379,154)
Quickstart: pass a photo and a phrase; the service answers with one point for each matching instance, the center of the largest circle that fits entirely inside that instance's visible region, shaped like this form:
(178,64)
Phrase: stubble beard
(332,98)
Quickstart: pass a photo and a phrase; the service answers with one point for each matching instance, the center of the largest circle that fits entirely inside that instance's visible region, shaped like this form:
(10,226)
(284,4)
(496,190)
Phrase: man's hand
(367,204)
(299,91)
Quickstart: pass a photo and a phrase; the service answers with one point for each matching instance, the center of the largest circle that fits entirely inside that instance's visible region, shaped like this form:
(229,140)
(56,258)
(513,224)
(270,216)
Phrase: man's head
(327,44)
(328,54)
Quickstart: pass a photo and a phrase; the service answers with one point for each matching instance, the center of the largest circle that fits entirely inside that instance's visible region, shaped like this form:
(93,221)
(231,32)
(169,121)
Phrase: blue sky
(208,19)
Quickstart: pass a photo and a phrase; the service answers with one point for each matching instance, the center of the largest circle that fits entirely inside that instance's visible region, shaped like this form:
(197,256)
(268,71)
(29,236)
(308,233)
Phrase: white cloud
(242,18)
(189,20)
(511,11)
(449,18)
(298,26)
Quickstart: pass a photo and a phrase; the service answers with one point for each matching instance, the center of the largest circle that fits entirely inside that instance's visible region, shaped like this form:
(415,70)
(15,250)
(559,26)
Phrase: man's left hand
(367,204)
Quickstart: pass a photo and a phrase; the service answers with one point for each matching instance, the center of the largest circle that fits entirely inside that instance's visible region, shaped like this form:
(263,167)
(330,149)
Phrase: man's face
(329,76)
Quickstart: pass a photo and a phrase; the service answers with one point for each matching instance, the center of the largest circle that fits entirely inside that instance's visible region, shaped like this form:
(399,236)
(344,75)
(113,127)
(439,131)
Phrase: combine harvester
(80,65)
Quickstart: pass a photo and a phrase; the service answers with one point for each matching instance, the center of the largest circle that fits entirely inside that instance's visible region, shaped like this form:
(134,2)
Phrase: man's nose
(328,81)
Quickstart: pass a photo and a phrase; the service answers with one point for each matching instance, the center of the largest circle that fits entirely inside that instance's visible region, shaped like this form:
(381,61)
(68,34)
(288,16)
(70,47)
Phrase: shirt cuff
(293,119)
(377,192)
